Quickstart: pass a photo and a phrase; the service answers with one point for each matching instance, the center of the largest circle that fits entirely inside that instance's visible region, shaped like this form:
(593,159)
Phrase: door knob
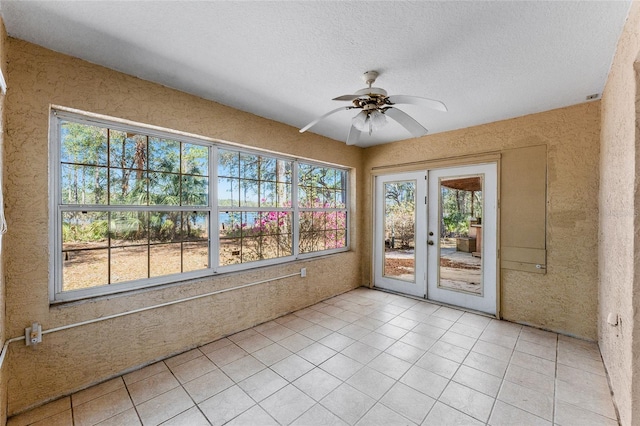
(430,242)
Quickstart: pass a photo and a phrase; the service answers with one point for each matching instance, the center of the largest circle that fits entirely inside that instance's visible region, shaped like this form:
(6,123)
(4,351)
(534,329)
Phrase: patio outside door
(462,256)
(400,246)
(437,238)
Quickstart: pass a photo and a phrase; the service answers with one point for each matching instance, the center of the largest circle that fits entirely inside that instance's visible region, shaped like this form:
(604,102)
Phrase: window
(132,208)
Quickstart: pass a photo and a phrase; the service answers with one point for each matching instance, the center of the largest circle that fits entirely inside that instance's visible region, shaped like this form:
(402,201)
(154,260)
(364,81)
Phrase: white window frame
(57,295)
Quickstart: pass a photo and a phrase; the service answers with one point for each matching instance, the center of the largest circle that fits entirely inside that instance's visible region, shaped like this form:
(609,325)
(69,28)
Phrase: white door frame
(429,289)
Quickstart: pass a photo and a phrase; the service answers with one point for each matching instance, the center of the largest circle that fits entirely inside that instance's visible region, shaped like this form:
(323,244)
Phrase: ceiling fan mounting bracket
(369,77)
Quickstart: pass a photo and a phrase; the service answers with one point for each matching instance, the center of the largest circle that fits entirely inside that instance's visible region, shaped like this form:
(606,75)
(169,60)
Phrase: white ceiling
(286,60)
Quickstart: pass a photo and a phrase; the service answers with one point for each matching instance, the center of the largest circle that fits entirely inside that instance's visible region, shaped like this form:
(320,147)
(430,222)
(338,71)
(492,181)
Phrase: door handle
(430,242)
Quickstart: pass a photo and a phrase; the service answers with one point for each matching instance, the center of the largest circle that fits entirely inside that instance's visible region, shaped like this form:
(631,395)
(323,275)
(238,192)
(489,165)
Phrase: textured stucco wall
(70,360)
(619,238)
(5,367)
(565,298)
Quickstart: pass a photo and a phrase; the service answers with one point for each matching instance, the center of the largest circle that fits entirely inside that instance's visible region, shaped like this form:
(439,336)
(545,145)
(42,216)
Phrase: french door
(436,235)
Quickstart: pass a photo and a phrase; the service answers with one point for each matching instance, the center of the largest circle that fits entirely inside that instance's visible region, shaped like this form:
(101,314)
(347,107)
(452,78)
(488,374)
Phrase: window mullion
(214,225)
(296,210)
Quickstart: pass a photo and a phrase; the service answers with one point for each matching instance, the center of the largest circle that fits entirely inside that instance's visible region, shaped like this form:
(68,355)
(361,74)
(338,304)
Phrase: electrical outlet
(303,272)
(33,334)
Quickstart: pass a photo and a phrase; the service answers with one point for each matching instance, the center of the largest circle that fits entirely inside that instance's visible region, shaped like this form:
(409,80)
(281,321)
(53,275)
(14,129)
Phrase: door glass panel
(399,230)
(460,260)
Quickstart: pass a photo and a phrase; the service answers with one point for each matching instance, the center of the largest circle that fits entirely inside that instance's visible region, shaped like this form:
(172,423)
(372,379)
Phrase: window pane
(127,187)
(128,228)
(164,189)
(84,269)
(164,227)
(249,193)
(195,191)
(84,253)
(164,155)
(230,251)
(228,192)
(195,226)
(195,256)
(83,144)
(195,159)
(249,166)
(165,259)
(127,150)
(83,184)
(129,263)
(228,163)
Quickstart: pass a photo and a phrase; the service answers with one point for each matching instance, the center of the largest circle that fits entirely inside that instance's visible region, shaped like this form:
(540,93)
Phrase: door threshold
(424,299)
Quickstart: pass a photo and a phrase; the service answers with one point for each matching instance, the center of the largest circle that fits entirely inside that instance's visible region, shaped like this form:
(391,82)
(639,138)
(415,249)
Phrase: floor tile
(207,385)
(40,413)
(128,418)
(478,380)
(193,369)
(425,381)
(527,399)
(96,391)
(145,372)
(341,366)
(361,352)
(183,357)
(318,416)
(405,351)
(534,363)
(570,415)
(292,367)
(467,400)
(589,399)
(226,355)
(151,387)
(192,417)
(317,383)
(487,364)
(164,407)
(348,403)
(252,417)
(371,382)
(381,415)
(508,415)
(295,342)
(409,402)
(287,404)
(102,408)
(316,353)
(443,415)
(262,384)
(242,368)
(226,405)
(254,343)
(390,365)
(363,357)
(439,365)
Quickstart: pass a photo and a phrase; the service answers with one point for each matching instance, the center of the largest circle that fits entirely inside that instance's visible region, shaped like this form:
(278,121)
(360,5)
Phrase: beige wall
(619,239)
(3,336)
(70,360)
(564,299)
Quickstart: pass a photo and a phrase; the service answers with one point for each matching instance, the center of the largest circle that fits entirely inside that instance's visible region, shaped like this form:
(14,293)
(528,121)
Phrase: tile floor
(361,358)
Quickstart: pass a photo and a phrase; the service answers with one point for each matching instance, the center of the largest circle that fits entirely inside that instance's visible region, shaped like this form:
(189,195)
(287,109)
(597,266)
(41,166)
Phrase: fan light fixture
(375,105)
(368,121)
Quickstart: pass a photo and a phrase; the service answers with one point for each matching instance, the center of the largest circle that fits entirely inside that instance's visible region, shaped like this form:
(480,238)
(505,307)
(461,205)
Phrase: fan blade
(354,136)
(346,98)
(416,100)
(415,128)
(314,122)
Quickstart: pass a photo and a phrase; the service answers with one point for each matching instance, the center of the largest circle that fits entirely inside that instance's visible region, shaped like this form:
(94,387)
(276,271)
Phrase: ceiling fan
(375,106)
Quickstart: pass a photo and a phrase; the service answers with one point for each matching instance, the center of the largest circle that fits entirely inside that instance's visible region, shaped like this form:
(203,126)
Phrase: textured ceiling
(486,60)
